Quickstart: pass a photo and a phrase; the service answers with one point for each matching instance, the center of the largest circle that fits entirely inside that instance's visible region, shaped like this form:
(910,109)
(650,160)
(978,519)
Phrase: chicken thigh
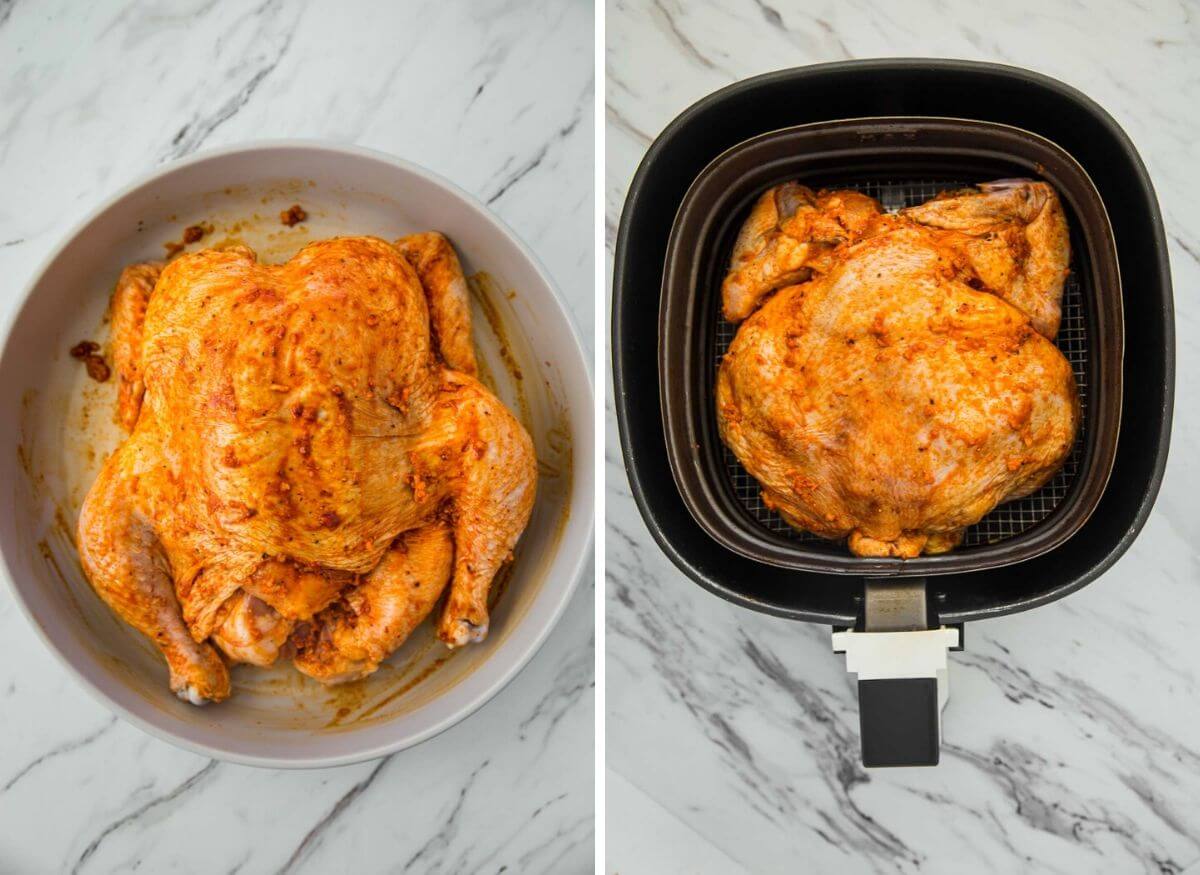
(900,379)
(309,467)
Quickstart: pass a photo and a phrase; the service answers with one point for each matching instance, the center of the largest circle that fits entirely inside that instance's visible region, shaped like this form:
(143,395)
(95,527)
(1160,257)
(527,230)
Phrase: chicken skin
(309,465)
(895,376)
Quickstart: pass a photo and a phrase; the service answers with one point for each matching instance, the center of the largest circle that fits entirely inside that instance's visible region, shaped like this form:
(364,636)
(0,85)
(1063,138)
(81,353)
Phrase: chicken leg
(123,559)
(492,500)
(251,631)
(349,640)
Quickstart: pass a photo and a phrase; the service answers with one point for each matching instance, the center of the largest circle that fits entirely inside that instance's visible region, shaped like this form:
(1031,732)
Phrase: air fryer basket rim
(846,148)
(1040,97)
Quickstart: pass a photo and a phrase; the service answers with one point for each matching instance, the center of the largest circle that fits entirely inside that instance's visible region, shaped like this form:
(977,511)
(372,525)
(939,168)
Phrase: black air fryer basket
(898,615)
(902,162)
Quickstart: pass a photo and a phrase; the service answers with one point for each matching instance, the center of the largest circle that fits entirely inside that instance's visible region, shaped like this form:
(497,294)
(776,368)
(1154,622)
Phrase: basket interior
(1007,520)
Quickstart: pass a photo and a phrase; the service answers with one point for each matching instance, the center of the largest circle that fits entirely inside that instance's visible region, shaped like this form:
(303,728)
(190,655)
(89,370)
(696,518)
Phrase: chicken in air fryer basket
(894,376)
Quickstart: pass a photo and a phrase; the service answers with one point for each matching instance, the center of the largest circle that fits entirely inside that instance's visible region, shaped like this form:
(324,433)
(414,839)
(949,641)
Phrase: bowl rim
(579,503)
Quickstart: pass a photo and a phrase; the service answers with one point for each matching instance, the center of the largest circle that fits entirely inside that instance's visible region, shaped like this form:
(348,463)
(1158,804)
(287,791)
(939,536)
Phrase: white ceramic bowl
(57,426)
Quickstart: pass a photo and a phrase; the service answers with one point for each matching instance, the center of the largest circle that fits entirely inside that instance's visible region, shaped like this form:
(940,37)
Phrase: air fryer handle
(899,721)
(903,684)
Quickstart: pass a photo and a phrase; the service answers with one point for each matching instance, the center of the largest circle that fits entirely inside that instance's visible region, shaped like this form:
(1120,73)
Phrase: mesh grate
(1005,521)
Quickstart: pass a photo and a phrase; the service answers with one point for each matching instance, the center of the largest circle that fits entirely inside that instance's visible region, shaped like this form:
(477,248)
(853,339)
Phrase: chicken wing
(128,309)
(125,562)
(445,287)
(1014,236)
(790,232)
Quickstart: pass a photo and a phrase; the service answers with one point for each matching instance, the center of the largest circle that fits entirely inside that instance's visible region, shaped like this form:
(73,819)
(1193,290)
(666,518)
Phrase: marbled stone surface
(1072,737)
(495,96)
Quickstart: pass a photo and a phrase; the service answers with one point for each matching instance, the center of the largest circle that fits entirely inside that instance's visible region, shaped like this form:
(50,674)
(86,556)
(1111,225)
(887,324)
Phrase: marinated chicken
(309,465)
(894,376)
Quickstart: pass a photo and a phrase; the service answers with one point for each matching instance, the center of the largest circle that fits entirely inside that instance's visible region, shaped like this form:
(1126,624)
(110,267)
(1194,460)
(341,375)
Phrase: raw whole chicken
(310,463)
(894,376)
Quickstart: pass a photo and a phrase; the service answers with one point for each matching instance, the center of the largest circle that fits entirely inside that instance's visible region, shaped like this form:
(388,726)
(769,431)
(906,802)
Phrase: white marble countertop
(1072,737)
(498,98)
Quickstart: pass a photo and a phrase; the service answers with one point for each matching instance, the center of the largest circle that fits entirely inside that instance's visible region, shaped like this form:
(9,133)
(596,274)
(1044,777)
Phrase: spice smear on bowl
(88,352)
(191,234)
(293,215)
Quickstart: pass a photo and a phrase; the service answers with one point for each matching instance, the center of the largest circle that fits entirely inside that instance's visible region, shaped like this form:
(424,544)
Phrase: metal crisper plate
(1004,522)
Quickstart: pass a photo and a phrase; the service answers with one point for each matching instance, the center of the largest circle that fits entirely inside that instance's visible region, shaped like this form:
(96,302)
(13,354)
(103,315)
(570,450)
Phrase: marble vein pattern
(1071,739)
(494,95)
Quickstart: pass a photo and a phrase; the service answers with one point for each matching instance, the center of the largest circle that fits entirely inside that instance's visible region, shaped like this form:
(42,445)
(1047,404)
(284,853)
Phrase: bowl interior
(59,429)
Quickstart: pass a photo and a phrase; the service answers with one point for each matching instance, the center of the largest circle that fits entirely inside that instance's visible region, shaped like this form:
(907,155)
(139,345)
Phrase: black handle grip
(899,720)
